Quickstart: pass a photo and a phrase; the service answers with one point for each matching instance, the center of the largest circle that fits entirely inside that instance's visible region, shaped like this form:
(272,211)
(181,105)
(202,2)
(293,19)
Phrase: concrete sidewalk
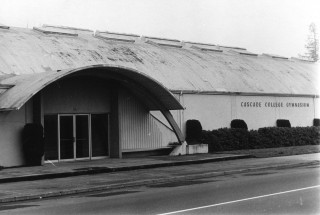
(68,169)
(31,190)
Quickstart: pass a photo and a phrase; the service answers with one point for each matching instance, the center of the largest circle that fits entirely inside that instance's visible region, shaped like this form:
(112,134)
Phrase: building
(104,94)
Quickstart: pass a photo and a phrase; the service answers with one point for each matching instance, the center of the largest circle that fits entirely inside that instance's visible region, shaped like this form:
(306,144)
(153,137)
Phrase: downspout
(181,113)
(314,106)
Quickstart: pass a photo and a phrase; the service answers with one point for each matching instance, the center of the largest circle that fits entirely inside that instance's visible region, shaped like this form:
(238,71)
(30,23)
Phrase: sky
(262,26)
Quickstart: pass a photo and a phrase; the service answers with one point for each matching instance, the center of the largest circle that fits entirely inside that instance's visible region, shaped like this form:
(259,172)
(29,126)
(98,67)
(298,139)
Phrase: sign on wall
(260,104)
(264,111)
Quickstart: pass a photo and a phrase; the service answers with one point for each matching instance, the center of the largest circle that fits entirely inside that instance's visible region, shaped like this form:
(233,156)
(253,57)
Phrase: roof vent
(54,31)
(117,36)
(275,56)
(163,42)
(203,46)
(243,52)
(68,29)
(4,26)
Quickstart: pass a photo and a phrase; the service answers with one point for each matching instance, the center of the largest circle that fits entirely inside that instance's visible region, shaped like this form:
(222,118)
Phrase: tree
(312,45)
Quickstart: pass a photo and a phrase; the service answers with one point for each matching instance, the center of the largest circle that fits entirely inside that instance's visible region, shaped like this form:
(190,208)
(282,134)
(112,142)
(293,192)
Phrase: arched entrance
(78,101)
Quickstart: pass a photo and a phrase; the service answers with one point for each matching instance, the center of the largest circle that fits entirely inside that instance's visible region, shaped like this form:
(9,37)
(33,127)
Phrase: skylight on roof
(214,49)
(275,56)
(203,46)
(243,52)
(4,26)
(67,28)
(6,86)
(233,47)
(54,31)
(303,60)
(164,42)
(117,36)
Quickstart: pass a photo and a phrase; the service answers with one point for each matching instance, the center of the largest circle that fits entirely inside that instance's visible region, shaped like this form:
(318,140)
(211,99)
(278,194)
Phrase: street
(281,191)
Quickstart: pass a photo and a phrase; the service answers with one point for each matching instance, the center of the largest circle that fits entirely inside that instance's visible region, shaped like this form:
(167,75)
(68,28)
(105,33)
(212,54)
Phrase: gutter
(242,93)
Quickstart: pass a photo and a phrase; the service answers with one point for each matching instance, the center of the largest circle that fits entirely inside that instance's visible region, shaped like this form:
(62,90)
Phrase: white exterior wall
(11,126)
(265,115)
(138,128)
(213,111)
(217,111)
(299,116)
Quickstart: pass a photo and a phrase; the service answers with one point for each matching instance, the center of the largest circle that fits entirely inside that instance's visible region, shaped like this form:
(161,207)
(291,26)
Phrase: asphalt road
(284,191)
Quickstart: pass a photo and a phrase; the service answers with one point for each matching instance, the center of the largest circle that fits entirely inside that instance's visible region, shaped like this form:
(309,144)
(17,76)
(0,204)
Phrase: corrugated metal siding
(168,136)
(138,129)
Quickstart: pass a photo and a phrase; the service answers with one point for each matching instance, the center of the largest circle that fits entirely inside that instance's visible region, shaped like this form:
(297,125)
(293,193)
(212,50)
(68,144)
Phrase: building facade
(103,94)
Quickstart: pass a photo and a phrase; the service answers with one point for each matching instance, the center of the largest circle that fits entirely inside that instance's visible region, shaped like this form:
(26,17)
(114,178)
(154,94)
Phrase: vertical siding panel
(138,128)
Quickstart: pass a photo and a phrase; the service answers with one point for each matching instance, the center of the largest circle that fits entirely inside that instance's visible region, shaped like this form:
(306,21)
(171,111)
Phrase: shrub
(33,143)
(193,131)
(316,122)
(226,139)
(213,143)
(283,123)
(239,123)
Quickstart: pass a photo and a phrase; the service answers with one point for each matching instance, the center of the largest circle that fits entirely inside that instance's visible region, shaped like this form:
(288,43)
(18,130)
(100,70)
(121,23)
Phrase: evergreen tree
(312,45)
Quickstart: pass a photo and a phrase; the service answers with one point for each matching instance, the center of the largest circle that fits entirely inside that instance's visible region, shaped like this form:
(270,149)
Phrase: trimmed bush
(33,143)
(239,123)
(316,122)
(227,139)
(283,123)
(193,131)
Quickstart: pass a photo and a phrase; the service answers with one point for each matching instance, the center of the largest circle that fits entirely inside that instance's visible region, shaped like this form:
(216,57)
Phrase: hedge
(33,143)
(226,139)
(239,123)
(193,131)
(284,123)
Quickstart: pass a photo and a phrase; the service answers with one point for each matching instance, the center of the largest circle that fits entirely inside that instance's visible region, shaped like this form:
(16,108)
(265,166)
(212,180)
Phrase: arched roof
(175,66)
(20,88)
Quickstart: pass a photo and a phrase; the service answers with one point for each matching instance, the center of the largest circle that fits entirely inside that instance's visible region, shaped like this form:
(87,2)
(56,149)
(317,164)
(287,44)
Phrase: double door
(75,136)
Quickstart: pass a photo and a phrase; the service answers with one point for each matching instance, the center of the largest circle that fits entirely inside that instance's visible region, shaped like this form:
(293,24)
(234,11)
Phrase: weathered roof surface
(27,51)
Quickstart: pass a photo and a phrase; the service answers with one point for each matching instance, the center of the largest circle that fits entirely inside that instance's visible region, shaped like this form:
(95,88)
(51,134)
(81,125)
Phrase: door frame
(108,137)
(74,137)
(90,157)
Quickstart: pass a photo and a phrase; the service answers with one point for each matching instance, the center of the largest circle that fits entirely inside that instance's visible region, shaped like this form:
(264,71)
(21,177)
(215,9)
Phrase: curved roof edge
(24,87)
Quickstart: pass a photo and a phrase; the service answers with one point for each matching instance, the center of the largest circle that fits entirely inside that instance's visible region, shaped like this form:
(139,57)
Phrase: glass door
(76,136)
(73,137)
(82,136)
(66,137)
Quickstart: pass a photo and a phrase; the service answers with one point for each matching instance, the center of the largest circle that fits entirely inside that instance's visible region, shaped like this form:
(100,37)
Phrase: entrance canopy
(18,89)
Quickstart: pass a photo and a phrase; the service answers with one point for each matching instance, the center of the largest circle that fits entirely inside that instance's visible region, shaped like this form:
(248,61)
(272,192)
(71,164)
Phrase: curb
(149,182)
(99,170)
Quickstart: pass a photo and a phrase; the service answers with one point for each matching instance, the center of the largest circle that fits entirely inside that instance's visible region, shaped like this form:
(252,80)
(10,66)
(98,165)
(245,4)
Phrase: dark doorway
(76,136)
